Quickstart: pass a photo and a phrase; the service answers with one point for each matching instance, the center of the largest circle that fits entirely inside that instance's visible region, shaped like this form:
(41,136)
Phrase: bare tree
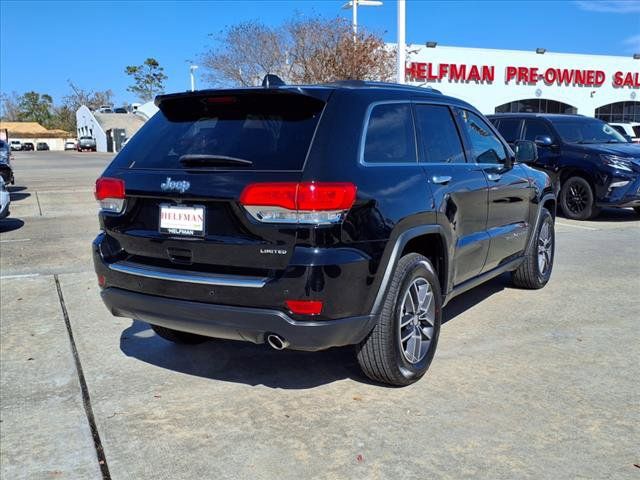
(245,53)
(9,106)
(303,50)
(325,51)
(92,99)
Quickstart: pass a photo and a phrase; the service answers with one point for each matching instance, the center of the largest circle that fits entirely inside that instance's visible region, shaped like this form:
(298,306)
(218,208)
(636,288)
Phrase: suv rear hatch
(185,170)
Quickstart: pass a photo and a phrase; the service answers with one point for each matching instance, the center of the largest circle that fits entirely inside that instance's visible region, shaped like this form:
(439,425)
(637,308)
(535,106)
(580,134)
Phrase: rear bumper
(235,323)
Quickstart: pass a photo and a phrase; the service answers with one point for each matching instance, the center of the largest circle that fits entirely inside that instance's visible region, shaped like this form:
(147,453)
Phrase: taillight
(304,307)
(305,202)
(110,194)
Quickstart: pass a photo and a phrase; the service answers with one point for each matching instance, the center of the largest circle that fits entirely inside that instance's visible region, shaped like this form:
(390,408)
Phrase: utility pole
(401,42)
(353,5)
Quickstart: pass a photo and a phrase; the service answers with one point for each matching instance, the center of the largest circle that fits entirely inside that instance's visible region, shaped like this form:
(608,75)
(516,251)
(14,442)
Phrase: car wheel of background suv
(535,271)
(577,199)
(178,337)
(399,349)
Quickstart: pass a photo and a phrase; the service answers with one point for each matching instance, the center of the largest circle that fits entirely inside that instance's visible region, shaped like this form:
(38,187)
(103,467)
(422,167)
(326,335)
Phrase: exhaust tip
(277,342)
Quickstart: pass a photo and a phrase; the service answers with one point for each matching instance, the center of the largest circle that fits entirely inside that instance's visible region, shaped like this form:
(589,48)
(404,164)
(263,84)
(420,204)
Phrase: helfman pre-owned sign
(457,72)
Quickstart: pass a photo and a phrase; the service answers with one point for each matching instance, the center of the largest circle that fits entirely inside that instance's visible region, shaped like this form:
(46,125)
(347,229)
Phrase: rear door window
(244,131)
(390,136)
(438,134)
(536,128)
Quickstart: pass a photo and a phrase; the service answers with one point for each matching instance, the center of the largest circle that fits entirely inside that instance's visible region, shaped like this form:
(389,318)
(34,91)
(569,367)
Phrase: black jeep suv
(590,163)
(310,217)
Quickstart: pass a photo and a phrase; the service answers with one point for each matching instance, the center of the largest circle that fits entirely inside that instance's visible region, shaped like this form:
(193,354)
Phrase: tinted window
(270,131)
(509,128)
(485,146)
(535,128)
(390,135)
(585,130)
(438,134)
(619,129)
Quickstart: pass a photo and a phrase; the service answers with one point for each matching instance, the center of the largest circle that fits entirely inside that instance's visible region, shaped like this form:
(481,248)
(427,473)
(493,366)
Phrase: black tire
(176,336)
(577,199)
(382,354)
(530,275)
(637,209)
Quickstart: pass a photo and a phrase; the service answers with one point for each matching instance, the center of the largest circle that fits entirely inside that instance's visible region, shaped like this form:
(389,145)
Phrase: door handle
(441,179)
(494,177)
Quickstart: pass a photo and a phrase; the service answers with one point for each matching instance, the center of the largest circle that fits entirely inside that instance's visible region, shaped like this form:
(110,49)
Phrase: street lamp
(401,41)
(353,5)
(192,69)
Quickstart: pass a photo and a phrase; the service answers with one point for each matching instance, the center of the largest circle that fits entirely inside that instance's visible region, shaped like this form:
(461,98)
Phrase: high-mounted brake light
(304,202)
(223,100)
(110,194)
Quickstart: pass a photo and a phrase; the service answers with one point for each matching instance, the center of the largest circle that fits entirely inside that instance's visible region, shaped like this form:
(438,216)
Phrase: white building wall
(87,125)
(487,95)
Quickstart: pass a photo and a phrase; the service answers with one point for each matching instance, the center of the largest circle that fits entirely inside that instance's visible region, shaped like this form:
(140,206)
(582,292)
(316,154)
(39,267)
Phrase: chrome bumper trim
(186,276)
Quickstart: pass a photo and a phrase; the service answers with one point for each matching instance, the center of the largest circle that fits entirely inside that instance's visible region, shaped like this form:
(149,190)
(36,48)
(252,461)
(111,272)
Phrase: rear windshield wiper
(199,159)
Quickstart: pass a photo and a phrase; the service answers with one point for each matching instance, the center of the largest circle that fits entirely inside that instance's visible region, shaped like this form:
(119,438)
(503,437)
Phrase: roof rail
(374,84)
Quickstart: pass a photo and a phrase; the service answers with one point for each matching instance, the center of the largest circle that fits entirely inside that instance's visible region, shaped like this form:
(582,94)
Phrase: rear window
(636,130)
(255,131)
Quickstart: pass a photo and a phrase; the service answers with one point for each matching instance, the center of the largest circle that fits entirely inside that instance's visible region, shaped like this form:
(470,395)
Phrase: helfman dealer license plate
(182,220)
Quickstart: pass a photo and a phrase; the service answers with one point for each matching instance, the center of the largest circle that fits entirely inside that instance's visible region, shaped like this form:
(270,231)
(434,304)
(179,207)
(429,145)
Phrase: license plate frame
(181,228)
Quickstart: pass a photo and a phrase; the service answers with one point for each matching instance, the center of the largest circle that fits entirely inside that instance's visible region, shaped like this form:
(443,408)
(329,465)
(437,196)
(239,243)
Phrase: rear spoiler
(321,93)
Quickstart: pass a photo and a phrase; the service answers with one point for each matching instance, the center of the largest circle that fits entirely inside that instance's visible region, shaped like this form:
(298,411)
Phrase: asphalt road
(525,384)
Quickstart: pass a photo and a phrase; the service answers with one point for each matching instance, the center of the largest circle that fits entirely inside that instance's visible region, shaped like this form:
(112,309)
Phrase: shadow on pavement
(10,224)
(617,215)
(459,305)
(243,362)
(16,197)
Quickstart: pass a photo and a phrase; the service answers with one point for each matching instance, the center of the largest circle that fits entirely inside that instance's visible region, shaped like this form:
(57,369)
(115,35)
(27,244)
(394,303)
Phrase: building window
(619,112)
(536,105)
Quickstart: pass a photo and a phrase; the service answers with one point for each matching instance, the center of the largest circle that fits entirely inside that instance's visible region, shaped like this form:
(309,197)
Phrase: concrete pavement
(524,384)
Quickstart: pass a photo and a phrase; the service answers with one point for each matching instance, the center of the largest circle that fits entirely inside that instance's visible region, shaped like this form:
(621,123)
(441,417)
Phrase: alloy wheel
(545,249)
(417,320)
(577,198)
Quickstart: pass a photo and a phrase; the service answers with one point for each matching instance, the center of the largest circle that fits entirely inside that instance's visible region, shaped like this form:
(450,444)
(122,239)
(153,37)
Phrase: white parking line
(16,240)
(575,226)
(24,275)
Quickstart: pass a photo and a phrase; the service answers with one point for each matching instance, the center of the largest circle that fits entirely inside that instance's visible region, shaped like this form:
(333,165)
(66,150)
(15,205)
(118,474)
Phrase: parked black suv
(310,217)
(591,164)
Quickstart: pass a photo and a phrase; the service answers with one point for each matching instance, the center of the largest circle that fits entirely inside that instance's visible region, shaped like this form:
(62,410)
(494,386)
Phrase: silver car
(5,200)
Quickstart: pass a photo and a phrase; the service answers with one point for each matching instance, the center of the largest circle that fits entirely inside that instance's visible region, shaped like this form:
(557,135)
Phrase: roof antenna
(271,80)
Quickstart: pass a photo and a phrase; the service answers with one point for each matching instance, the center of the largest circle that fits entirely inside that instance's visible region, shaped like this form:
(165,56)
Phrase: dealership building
(497,81)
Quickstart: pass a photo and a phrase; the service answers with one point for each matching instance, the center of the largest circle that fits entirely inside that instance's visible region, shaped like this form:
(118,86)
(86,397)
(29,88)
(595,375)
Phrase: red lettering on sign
(628,79)
(458,72)
(510,74)
(488,73)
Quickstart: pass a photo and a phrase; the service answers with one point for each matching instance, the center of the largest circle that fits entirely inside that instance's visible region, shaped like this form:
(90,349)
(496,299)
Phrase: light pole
(353,5)
(192,69)
(401,41)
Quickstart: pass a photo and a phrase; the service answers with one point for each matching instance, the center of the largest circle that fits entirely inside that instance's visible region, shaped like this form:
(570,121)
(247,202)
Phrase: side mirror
(526,151)
(544,140)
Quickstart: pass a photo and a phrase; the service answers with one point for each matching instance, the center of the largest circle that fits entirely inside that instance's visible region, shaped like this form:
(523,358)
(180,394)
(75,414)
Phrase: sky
(44,44)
